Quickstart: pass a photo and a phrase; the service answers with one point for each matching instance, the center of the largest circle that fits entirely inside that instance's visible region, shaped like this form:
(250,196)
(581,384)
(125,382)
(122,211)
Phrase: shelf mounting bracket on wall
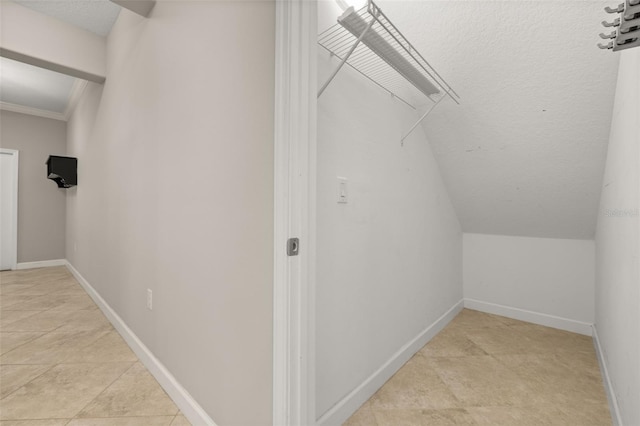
(345,59)
(371,45)
(420,120)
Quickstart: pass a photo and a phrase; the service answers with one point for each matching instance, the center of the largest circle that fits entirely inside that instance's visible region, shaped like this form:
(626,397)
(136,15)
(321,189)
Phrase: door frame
(294,212)
(15,154)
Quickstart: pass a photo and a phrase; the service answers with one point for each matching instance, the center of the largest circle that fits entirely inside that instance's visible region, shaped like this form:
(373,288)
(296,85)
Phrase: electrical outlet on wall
(149,299)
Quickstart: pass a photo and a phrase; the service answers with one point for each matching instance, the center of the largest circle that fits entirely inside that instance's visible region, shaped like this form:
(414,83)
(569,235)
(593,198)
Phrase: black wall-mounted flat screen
(63,170)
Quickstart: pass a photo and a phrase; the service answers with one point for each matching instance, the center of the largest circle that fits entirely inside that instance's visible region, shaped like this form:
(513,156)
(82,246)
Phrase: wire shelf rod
(408,51)
(400,98)
(322,89)
(372,45)
(379,12)
(421,118)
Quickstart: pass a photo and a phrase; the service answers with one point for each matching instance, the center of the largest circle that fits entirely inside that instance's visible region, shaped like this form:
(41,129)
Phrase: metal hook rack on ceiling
(368,42)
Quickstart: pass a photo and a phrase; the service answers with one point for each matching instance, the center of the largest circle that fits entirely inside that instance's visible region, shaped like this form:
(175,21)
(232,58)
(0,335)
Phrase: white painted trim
(41,264)
(547,320)
(185,402)
(294,213)
(14,202)
(32,111)
(74,97)
(348,405)
(608,386)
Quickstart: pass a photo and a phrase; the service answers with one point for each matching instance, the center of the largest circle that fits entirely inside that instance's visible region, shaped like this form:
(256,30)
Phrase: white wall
(175,195)
(389,262)
(41,204)
(548,276)
(618,247)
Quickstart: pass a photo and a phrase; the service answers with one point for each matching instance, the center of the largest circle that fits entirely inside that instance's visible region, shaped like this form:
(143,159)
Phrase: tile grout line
(29,341)
(40,296)
(44,334)
(75,416)
(20,387)
(38,419)
(125,417)
(22,344)
(53,365)
(27,317)
(35,331)
(94,417)
(77,363)
(553,353)
(446,385)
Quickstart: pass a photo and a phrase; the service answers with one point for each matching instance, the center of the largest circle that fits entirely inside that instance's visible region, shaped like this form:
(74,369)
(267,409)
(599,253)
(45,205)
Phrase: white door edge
(14,206)
(294,204)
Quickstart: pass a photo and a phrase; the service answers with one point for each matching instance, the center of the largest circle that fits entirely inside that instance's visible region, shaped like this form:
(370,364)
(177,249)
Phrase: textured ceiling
(524,153)
(97,16)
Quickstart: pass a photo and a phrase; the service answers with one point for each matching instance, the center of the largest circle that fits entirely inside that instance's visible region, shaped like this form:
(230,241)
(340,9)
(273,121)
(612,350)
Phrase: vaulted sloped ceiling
(524,153)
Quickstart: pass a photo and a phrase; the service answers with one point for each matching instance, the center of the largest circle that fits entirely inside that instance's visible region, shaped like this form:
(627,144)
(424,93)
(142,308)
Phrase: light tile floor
(62,363)
(489,370)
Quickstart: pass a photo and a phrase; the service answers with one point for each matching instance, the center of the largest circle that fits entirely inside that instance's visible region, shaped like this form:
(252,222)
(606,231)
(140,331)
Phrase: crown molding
(32,111)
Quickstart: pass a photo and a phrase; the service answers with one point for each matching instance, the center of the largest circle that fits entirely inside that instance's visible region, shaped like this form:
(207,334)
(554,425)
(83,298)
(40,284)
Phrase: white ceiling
(524,153)
(33,87)
(97,16)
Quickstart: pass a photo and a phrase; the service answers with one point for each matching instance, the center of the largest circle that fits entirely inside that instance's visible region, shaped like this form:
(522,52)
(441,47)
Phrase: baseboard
(348,405)
(41,264)
(185,402)
(530,316)
(616,419)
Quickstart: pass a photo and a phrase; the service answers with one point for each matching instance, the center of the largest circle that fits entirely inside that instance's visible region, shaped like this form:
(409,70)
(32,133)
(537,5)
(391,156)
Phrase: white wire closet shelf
(368,42)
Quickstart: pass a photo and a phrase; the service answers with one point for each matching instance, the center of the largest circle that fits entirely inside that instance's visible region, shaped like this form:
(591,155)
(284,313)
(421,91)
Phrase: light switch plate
(149,299)
(343,190)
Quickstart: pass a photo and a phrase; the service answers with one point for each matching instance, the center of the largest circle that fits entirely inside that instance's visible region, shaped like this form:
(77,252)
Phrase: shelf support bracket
(422,118)
(344,61)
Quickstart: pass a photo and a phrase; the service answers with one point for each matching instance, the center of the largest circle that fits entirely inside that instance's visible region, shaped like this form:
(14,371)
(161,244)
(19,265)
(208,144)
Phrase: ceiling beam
(52,66)
(141,7)
(55,45)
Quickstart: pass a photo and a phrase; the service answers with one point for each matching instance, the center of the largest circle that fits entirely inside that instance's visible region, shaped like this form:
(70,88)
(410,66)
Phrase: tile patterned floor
(488,370)
(62,363)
